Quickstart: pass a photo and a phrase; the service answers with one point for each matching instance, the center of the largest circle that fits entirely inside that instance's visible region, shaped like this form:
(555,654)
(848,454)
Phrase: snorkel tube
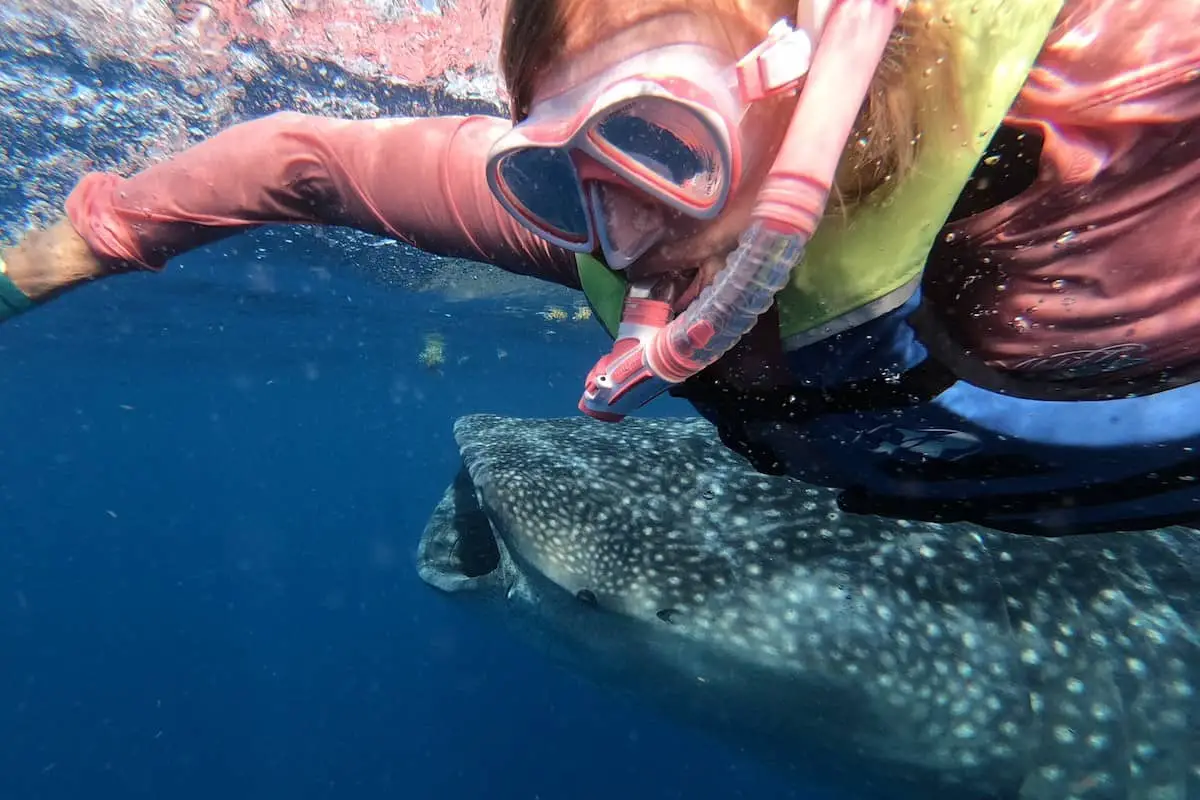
(647,358)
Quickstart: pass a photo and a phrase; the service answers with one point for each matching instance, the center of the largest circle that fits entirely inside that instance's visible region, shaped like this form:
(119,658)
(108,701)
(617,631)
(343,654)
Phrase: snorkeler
(942,254)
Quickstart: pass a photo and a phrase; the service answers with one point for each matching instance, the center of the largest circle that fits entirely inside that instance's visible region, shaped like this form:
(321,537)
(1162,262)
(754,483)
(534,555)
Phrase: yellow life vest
(854,264)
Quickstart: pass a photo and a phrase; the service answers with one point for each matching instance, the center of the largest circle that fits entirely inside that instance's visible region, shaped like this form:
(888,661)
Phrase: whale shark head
(895,657)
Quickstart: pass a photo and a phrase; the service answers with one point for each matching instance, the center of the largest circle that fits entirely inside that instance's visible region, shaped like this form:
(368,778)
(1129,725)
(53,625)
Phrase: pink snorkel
(652,352)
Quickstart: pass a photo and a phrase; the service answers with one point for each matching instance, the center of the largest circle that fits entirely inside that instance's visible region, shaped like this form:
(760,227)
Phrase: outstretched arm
(420,180)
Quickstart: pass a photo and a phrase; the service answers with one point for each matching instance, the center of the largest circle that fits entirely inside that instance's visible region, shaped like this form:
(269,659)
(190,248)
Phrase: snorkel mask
(594,167)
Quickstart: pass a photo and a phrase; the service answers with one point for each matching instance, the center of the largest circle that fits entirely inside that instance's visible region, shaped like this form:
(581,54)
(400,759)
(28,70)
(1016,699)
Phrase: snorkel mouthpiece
(622,380)
(789,207)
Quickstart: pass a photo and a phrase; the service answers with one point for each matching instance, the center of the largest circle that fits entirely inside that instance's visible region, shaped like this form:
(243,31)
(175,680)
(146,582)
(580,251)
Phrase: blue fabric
(971,443)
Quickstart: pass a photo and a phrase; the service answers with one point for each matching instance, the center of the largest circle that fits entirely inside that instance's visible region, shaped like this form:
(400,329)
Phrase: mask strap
(777,65)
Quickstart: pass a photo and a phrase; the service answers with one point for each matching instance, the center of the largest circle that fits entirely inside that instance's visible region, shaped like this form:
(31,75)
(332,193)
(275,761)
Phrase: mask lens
(670,142)
(542,183)
(629,224)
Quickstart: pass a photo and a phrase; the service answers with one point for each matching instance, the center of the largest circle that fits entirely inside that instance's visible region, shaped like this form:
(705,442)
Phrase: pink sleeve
(420,180)
(1110,69)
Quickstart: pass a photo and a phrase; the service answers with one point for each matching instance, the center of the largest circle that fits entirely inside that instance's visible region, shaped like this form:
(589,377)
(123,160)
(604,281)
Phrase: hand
(47,263)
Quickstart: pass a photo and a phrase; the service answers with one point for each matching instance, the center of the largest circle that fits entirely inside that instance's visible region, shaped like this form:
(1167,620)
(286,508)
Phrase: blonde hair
(916,79)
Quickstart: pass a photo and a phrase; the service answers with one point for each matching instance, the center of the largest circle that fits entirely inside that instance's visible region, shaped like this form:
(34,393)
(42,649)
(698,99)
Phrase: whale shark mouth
(459,551)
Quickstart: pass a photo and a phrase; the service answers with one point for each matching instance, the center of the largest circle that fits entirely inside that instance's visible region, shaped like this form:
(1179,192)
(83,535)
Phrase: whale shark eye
(587,597)
(669,615)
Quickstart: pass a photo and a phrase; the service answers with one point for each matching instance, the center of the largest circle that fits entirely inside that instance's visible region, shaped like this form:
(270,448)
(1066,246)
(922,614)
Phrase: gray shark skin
(898,659)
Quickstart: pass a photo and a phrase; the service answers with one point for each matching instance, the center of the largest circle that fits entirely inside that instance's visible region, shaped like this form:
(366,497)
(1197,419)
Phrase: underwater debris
(433,352)
(580,312)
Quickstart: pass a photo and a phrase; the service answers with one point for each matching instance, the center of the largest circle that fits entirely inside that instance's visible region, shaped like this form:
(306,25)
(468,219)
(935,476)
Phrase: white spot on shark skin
(980,661)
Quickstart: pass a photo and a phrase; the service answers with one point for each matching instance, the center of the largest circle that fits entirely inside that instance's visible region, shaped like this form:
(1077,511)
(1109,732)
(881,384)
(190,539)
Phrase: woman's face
(695,249)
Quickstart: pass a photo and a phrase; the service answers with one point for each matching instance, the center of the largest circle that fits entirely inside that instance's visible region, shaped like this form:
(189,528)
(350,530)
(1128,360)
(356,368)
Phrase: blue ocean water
(212,483)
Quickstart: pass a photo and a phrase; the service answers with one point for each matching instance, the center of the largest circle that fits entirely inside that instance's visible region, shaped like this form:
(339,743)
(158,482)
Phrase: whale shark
(894,658)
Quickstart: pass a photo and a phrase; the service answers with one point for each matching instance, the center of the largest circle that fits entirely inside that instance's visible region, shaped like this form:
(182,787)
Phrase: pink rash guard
(1101,252)
(1099,260)
(419,180)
